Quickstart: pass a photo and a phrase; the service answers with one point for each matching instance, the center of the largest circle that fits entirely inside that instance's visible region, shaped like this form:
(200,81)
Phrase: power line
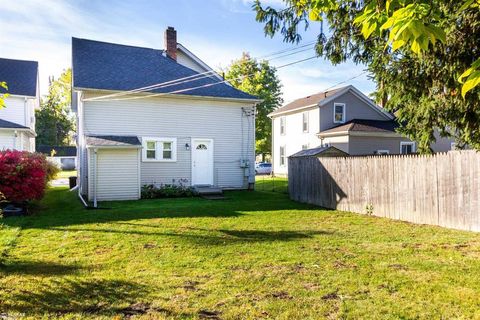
(194,77)
(202,86)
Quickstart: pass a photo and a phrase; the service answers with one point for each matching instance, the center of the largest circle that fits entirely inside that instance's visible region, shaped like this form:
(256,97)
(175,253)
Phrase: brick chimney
(171,42)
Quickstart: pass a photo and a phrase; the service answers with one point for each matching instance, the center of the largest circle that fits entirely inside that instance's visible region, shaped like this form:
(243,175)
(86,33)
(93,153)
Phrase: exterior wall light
(187,146)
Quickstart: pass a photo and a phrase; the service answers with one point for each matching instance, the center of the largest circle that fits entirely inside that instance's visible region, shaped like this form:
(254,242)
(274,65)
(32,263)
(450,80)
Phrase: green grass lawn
(255,255)
(274,184)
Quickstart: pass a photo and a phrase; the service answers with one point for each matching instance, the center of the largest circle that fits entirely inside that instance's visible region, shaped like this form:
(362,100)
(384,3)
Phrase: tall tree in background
(54,123)
(261,80)
(422,54)
(3,93)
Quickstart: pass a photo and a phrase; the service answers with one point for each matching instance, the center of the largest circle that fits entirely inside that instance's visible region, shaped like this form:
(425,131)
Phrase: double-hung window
(339,112)
(407,147)
(282,155)
(305,121)
(282,125)
(159,149)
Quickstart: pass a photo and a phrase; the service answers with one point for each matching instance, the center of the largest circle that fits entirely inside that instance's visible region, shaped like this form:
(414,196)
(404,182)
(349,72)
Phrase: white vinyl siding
(183,119)
(7,139)
(118,174)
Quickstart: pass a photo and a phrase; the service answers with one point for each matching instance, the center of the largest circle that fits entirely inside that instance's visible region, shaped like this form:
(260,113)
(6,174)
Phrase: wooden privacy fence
(441,189)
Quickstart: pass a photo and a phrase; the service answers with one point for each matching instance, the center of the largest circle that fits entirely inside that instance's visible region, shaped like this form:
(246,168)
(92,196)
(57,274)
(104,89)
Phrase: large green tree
(54,122)
(423,55)
(3,95)
(259,79)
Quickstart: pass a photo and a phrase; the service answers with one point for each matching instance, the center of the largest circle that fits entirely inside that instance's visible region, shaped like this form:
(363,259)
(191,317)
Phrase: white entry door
(202,161)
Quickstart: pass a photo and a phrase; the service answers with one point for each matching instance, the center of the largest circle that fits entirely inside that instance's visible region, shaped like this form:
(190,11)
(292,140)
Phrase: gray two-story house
(344,118)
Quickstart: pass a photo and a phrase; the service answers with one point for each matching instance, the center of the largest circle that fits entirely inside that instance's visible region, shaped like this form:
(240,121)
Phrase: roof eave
(176,95)
(275,114)
(381,134)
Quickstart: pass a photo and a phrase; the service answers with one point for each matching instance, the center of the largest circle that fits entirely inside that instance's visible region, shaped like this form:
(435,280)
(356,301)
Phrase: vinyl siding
(368,145)
(7,139)
(294,137)
(355,109)
(118,174)
(185,60)
(224,122)
(14,110)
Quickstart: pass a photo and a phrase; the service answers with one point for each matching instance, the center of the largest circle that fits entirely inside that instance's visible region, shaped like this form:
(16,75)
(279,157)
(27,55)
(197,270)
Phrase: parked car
(263,168)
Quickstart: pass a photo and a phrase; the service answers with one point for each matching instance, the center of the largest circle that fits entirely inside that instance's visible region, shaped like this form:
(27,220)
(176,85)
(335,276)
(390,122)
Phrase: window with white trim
(339,112)
(305,121)
(407,147)
(282,155)
(159,149)
(304,146)
(453,146)
(282,125)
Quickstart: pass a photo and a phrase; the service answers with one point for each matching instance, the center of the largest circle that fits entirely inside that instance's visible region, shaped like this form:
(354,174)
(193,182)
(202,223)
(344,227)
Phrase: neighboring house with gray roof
(17,119)
(185,124)
(344,118)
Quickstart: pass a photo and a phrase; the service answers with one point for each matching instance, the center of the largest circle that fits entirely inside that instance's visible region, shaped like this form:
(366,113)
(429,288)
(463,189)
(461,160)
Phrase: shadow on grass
(37,268)
(210,237)
(93,297)
(62,208)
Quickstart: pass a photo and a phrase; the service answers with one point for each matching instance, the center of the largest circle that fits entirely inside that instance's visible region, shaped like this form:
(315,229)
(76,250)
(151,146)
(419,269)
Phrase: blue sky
(217,31)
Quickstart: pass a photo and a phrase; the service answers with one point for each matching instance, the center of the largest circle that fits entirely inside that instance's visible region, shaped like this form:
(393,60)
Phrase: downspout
(95,180)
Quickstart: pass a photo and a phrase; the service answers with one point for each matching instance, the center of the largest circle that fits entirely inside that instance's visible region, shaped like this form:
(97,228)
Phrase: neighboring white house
(193,128)
(17,119)
(344,118)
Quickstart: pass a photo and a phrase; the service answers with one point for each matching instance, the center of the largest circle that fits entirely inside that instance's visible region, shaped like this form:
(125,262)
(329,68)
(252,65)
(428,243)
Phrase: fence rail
(441,189)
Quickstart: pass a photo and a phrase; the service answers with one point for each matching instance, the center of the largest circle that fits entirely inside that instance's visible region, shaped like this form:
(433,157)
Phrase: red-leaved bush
(24,175)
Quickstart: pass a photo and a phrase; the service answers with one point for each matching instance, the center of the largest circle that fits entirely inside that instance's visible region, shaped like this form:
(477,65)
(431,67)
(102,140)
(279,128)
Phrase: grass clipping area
(255,255)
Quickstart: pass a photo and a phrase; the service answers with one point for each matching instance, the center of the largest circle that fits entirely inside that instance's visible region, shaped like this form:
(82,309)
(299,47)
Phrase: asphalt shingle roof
(113,141)
(318,151)
(20,76)
(365,126)
(108,66)
(11,125)
(306,101)
(60,151)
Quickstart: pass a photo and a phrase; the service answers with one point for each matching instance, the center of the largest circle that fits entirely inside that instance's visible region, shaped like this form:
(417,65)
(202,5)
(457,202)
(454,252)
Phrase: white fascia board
(175,96)
(197,60)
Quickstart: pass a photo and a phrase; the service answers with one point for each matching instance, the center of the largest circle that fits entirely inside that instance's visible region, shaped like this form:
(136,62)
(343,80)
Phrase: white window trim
(383,151)
(284,125)
(159,149)
(344,113)
(284,156)
(305,119)
(407,143)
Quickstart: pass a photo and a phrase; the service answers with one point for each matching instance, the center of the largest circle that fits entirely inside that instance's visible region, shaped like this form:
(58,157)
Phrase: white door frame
(194,140)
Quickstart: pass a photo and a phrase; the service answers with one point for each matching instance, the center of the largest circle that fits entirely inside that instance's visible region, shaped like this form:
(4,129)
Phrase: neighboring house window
(282,155)
(339,113)
(453,146)
(282,125)
(382,152)
(159,149)
(305,121)
(305,147)
(407,147)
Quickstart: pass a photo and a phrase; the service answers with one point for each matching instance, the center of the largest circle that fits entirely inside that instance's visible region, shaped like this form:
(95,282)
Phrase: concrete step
(208,191)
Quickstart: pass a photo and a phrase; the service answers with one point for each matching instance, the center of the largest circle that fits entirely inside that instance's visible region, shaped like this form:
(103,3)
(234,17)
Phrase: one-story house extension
(17,119)
(344,118)
(186,125)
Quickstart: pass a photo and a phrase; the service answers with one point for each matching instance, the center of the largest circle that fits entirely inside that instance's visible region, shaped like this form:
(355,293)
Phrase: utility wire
(194,77)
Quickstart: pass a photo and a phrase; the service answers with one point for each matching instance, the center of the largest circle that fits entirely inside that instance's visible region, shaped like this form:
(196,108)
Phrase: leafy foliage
(54,123)
(24,175)
(3,85)
(259,79)
(422,54)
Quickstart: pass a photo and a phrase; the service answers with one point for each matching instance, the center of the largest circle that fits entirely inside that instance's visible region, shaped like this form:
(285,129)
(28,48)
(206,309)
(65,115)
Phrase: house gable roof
(20,75)
(328,151)
(322,98)
(4,124)
(107,66)
(363,125)
(305,102)
(113,141)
